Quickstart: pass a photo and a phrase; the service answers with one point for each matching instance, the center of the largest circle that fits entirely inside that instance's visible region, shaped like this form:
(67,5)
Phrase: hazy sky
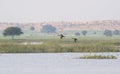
(58,10)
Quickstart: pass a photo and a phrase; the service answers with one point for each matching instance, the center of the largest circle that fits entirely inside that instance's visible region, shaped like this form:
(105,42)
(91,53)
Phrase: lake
(57,63)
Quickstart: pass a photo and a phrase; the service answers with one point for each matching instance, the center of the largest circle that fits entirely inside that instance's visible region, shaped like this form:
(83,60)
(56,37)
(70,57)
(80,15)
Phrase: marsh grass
(58,45)
(98,57)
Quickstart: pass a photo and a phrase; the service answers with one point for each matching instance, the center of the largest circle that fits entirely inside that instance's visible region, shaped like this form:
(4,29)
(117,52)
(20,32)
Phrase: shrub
(98,57)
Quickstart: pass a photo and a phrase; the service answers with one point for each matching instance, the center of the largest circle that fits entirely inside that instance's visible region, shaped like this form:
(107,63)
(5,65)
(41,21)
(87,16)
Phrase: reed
(98,57)
(57,45)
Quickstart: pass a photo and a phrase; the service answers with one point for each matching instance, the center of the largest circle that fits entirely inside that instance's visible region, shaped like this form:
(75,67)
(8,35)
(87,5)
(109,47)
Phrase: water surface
(57,63)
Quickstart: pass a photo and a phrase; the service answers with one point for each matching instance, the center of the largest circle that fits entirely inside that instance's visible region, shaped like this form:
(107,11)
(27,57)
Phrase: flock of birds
(62,36)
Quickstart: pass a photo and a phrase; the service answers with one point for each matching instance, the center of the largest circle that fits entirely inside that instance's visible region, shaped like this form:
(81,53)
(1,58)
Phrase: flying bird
(61,36)
(75,39)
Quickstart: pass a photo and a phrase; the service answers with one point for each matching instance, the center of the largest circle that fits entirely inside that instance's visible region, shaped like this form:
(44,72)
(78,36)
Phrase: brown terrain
(80,25)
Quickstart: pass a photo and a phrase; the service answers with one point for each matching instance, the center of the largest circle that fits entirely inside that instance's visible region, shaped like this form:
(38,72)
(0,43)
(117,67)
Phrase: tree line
(16,31)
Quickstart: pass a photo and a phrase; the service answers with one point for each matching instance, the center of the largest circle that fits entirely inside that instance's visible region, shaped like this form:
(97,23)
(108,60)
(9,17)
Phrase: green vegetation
(54,44)
(84,33)
(48,29)
(93,41)
(12,31)
(32,34)
(98,57)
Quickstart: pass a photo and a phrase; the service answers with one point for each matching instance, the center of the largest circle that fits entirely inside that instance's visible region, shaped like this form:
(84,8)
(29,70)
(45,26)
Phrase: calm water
(57,63)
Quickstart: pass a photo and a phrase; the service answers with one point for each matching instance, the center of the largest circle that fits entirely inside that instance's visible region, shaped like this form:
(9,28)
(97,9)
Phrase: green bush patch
(98,57)
(58,45)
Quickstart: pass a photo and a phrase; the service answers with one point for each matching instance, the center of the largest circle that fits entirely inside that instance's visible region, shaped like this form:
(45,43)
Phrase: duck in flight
(61,36)
(75,39)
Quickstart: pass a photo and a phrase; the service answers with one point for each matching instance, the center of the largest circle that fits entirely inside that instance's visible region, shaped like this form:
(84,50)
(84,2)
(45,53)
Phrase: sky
(58,10)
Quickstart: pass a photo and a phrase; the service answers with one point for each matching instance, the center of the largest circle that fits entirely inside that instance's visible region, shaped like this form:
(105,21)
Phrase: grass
(98,57)
(58,45)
